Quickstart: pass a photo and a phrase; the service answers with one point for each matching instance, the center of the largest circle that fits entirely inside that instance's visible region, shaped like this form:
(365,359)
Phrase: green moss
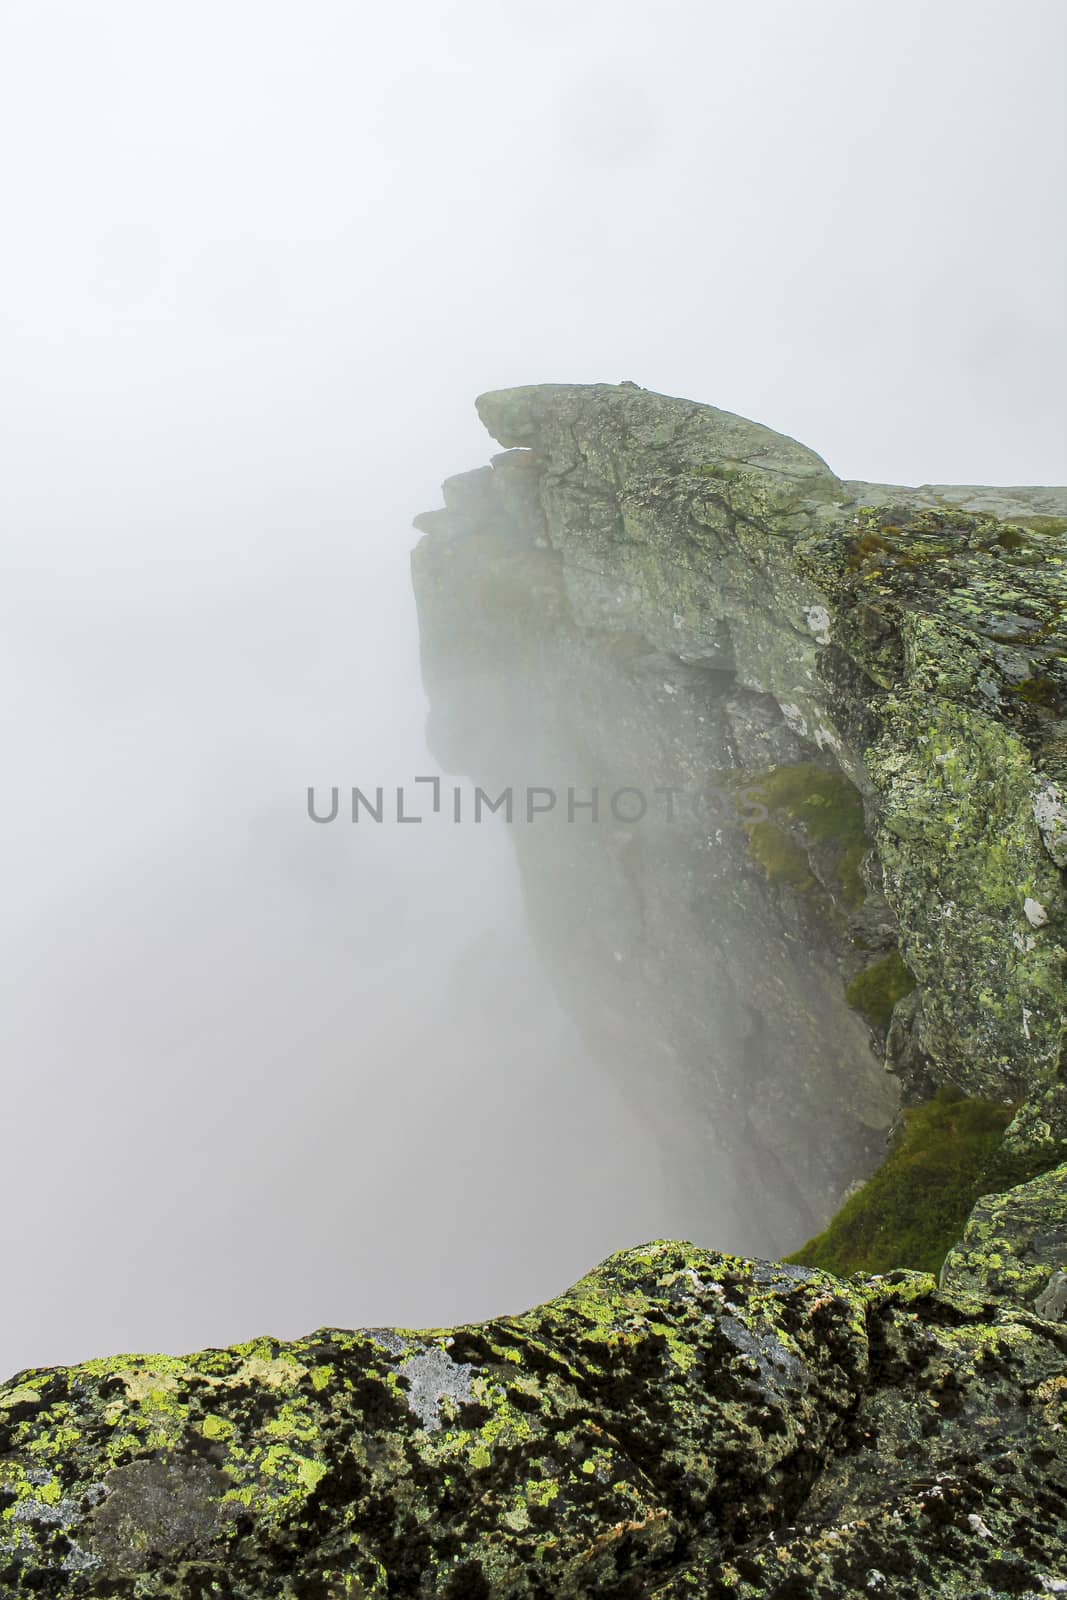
(781,857)
(1039,691)
(913,1209)
(848,871)
(1053,525)
(827,807)
(875,991)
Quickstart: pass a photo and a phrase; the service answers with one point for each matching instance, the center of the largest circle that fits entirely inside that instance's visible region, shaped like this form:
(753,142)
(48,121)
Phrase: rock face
(647,592)
(911,634)
(712,992)
(680,1423)
(1015,1247)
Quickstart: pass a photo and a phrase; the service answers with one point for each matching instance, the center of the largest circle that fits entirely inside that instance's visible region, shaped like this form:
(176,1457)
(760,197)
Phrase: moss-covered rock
(877,990)
(819,813)
(782,859)
(946,1154)
(680,1422)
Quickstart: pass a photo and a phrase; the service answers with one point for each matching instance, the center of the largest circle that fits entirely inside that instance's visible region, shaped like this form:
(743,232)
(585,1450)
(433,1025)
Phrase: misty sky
(257,261)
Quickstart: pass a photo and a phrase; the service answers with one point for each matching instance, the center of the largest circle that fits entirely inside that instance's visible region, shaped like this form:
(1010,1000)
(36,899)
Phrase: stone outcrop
(681,596)
(680,1423)
(1014,1247)
(916,636)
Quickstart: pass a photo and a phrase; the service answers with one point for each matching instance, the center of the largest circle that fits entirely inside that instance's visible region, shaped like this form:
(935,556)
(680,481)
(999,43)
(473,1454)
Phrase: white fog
(258,261)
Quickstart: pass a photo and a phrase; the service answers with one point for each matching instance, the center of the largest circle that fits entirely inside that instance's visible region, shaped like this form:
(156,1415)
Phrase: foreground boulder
(679,1423)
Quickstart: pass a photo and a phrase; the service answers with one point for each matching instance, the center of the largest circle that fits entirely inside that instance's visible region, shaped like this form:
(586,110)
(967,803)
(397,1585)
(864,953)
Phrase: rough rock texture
(911,633)
(680,1423)
(1015,1247)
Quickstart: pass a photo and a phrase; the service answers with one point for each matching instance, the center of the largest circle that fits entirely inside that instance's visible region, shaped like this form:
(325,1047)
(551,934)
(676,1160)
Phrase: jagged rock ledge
(680,1423)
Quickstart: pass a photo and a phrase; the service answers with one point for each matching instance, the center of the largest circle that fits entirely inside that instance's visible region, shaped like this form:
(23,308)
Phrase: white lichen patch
(1036,915)
(1050,814)
(827,739)
(818,621)
(386,1339)
(432,1377)
(794,717)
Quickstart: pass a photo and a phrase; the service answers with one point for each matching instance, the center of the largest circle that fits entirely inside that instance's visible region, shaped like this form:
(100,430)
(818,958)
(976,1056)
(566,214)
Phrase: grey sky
(258,259)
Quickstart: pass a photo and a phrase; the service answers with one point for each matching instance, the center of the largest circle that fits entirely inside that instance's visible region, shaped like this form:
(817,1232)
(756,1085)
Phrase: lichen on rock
(678,1422)
(1015,1244)
(937,621)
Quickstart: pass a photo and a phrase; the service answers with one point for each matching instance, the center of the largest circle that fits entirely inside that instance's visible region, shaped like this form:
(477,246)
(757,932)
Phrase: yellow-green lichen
(667,1376)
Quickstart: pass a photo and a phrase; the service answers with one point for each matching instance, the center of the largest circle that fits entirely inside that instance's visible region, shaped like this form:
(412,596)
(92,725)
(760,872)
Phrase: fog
(258,260)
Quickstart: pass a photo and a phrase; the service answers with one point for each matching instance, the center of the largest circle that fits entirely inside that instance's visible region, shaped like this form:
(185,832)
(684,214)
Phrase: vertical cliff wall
(904,648)
(712,989)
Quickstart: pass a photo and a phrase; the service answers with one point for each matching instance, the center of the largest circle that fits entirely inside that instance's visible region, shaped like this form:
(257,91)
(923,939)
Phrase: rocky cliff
(914,638)
(647,592)
(863,687)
